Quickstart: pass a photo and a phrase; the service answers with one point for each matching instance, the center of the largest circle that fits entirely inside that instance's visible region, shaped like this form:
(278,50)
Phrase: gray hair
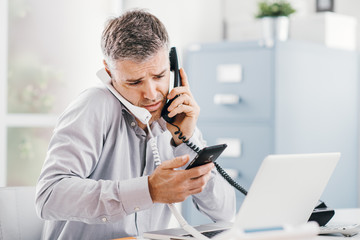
(135,35)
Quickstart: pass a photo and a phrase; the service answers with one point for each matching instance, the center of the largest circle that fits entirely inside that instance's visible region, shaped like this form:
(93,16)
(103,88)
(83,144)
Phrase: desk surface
(343,216)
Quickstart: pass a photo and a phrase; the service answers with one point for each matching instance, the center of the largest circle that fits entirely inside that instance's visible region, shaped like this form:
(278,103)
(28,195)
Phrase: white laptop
(285,191)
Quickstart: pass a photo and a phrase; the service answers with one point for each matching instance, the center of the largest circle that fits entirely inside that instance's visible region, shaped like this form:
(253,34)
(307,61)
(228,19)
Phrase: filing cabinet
(295,97)
(253,89)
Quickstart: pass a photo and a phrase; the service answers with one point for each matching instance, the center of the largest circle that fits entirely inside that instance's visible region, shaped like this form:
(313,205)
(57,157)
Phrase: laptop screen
(286,189)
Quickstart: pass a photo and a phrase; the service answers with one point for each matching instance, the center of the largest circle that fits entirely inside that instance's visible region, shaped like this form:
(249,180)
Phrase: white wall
(201,21)
(187,21)
(351,8)
(3,88)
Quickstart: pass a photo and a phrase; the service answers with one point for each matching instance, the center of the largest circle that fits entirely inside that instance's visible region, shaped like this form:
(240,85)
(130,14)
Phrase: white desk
(342,216)
(347,216)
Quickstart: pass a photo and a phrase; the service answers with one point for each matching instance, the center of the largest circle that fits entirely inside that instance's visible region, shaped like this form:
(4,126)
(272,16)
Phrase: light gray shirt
(94,181)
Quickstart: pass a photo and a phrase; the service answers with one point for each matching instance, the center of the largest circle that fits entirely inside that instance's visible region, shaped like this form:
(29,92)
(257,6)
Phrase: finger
(175,163)
(183,89)
(198,184)
(181,109)
(196,190)
(184,79)
(178,91)
(207,176)
(199,171)
(188,110)
(181,99)
(200,181)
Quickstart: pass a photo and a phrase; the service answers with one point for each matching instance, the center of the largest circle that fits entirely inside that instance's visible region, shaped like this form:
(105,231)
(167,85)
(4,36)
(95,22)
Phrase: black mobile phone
(206,155)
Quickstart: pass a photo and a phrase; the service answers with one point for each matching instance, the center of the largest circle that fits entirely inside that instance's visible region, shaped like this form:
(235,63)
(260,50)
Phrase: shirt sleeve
(217,200)
(64,190)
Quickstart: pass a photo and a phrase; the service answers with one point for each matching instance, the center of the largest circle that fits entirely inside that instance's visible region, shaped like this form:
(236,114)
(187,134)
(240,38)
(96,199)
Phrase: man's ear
(107,69)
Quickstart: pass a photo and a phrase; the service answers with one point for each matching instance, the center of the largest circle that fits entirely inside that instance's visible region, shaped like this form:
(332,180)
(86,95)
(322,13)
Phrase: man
(99,180)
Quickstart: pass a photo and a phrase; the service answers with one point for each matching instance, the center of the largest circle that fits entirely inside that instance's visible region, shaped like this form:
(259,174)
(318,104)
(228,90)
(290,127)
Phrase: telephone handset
(174,66)
(140,113)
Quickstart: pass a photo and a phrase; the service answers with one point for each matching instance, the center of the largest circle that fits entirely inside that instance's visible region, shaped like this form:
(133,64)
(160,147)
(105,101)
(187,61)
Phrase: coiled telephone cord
(231,181)
(183,139)
(155,151)
(222,172)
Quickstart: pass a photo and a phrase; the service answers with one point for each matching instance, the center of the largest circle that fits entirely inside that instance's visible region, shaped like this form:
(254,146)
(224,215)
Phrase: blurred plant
(26,149)
(19,8)
(274,9)
(26,154)
(32,85)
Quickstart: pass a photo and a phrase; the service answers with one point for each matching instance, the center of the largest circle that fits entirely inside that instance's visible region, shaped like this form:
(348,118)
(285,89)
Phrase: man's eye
(159,76)
(134,83)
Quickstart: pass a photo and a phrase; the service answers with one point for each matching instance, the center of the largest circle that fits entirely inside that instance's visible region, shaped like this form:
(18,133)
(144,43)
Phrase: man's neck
(142,126)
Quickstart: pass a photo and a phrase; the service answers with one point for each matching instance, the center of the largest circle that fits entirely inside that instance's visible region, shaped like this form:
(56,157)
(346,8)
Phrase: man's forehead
(141,58)
(129,69)
(160,55)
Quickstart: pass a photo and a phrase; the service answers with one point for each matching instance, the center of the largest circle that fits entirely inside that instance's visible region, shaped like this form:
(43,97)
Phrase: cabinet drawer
(250,142)
(254,88)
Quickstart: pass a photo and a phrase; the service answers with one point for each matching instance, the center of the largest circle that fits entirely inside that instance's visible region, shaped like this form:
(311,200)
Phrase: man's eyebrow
(161,73)
(141,78)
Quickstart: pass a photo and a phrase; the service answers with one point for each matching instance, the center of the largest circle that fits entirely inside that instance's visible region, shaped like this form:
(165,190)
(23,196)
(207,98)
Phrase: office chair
(18,219)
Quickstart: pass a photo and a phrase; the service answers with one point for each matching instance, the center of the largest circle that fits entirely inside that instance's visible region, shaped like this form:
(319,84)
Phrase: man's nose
(150,91)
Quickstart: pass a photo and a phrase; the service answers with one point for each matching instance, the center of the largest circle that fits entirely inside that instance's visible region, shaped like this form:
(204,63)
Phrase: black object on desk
(322,214)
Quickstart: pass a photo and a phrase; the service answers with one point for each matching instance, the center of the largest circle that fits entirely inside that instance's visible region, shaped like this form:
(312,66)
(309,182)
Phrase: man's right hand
(167,185)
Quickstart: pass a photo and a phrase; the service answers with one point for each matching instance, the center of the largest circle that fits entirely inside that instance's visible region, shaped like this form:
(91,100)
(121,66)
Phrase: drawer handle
(227,99)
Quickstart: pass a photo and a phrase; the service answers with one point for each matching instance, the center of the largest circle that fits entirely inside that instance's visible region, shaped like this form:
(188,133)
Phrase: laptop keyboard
(208,234)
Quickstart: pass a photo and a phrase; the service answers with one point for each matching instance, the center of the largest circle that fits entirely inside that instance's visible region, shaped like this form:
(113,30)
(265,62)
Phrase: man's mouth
(153,107)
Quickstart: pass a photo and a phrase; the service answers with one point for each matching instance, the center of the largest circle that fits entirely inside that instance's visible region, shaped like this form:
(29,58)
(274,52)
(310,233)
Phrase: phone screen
(206,155)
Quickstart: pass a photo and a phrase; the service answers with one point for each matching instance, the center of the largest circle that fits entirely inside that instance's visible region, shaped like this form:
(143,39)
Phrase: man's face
(144,84)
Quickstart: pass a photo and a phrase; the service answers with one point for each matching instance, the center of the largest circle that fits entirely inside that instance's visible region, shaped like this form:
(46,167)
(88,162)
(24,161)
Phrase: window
(53,52)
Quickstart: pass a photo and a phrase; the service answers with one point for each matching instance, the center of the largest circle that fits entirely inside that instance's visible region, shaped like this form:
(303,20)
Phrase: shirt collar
(157,127)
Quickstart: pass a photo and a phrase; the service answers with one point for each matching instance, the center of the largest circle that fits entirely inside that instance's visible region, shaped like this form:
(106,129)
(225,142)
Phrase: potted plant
(275,20)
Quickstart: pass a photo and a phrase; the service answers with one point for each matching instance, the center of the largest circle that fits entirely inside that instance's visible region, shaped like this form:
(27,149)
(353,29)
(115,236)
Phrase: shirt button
(104,219)
(137,209)
(133,124)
